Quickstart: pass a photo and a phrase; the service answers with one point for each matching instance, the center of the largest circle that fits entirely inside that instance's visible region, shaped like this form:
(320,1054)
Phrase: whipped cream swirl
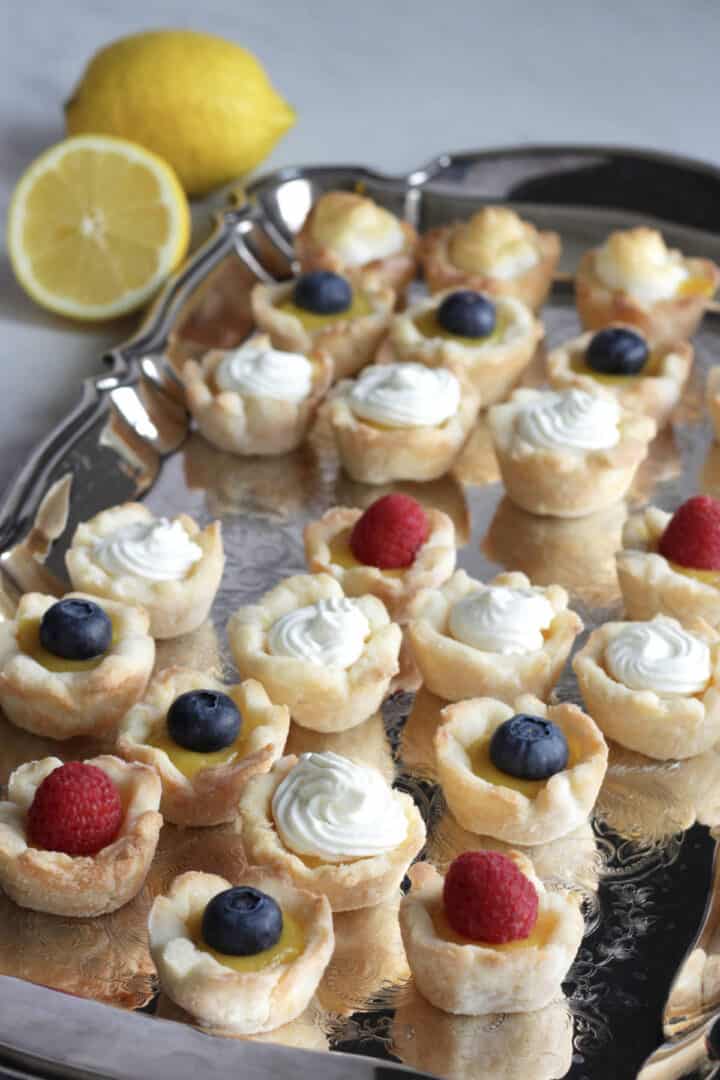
(265,372)
(638,262)
(334,809)
(158,550)
(501,620)
(569,420)
(405,395)
(659,655)
(331,632)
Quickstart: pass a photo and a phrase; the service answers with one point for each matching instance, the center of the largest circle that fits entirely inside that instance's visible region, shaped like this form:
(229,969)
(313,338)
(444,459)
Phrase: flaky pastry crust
(348,886)
(350,343)
(480,806)
(80,886)
(210,796)
(320,698)
(216,996)
(246,423)
(174,607)
(453,670)
(566,483)
(61,705)
(474,979)
(661,726)
(432,566)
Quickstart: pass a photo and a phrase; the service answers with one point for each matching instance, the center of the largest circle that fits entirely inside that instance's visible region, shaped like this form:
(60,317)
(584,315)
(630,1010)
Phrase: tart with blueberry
(205,740)
(488,937)
(670,563)
(618,361)
(525,774)
(494,252)
(634,278)
(77,839)
(351,235)
(324,311)
(567,453)
(73,666)
(333,826)
(328,657)
(171,568)
(256,399)
(240,959)
(489,341)
(391,550)
(401,421)
(497,640)
(653,686)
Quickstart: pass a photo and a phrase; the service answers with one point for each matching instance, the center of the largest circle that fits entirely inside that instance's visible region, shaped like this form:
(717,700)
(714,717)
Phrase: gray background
(385,82)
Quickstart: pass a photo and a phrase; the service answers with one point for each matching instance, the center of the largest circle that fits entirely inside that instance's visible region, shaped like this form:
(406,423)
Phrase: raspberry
(488,899)
(76,810)
(692,536)
(390,533)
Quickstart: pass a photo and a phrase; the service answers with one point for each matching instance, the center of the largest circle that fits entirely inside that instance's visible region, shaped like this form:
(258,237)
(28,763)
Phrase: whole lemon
(203,104)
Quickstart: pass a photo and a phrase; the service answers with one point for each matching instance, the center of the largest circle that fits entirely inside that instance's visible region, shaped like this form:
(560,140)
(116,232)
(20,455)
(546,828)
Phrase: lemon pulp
(482,766)
(341,554)
(429,327)
(28,639)
(696,285)
(538,936)
(190,762)
(708,577)
(312,321)
(652,367)
(288,947)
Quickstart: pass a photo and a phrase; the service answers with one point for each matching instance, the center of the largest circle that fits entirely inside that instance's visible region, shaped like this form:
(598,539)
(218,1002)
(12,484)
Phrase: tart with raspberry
(488,937)
(670,563)
(634,278)
(617,360)
(391,550)
(78,839)
(327,657)
(524,774)
(351,235)
(488,341)
(73,666)
(325,311)
(205,740)
(497,640)
(495,252)
(240,959)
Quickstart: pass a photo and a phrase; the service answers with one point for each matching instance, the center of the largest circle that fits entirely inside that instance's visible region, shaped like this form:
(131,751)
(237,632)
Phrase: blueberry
(467,313)
(75,630)
(242,922)
(323,293)
(204,721)
(617,351)
(529,747)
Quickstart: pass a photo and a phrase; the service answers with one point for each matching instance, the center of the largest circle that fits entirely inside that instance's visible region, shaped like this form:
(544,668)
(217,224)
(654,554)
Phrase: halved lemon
(96,225)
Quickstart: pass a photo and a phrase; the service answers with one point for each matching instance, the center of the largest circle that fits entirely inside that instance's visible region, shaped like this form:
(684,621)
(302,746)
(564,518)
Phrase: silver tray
(644,868)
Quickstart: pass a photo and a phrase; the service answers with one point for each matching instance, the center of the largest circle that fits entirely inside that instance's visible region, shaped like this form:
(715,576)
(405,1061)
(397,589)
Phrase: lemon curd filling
(707,577)
(577,363)
(341,554)
(190,762)
(429,327)
(482,766)
(312,321)
(28,639)
(289,946)
(696,285)
(539,935)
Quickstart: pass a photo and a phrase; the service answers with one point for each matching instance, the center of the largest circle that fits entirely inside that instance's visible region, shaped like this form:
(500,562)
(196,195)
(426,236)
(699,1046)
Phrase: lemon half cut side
(96,225)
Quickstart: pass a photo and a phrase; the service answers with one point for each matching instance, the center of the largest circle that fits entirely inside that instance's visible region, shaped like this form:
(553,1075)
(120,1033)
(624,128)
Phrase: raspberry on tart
(487,898)
(692,536)
(390,533)
(76,810)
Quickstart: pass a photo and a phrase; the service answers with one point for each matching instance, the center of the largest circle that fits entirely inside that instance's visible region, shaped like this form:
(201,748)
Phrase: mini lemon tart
(257,986)
(350,234)
(333,826)
(256,399)
(326,312)
(205,740)
(567,453)
(473,977)
(495,252)
(618,361)
(524,774)
(497,640)
(73,689)
(654,686)
(712,396)
(171,568)
(330,659)
(401,421)
(331,545)
(488,342)
(635,279)
(48,879)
